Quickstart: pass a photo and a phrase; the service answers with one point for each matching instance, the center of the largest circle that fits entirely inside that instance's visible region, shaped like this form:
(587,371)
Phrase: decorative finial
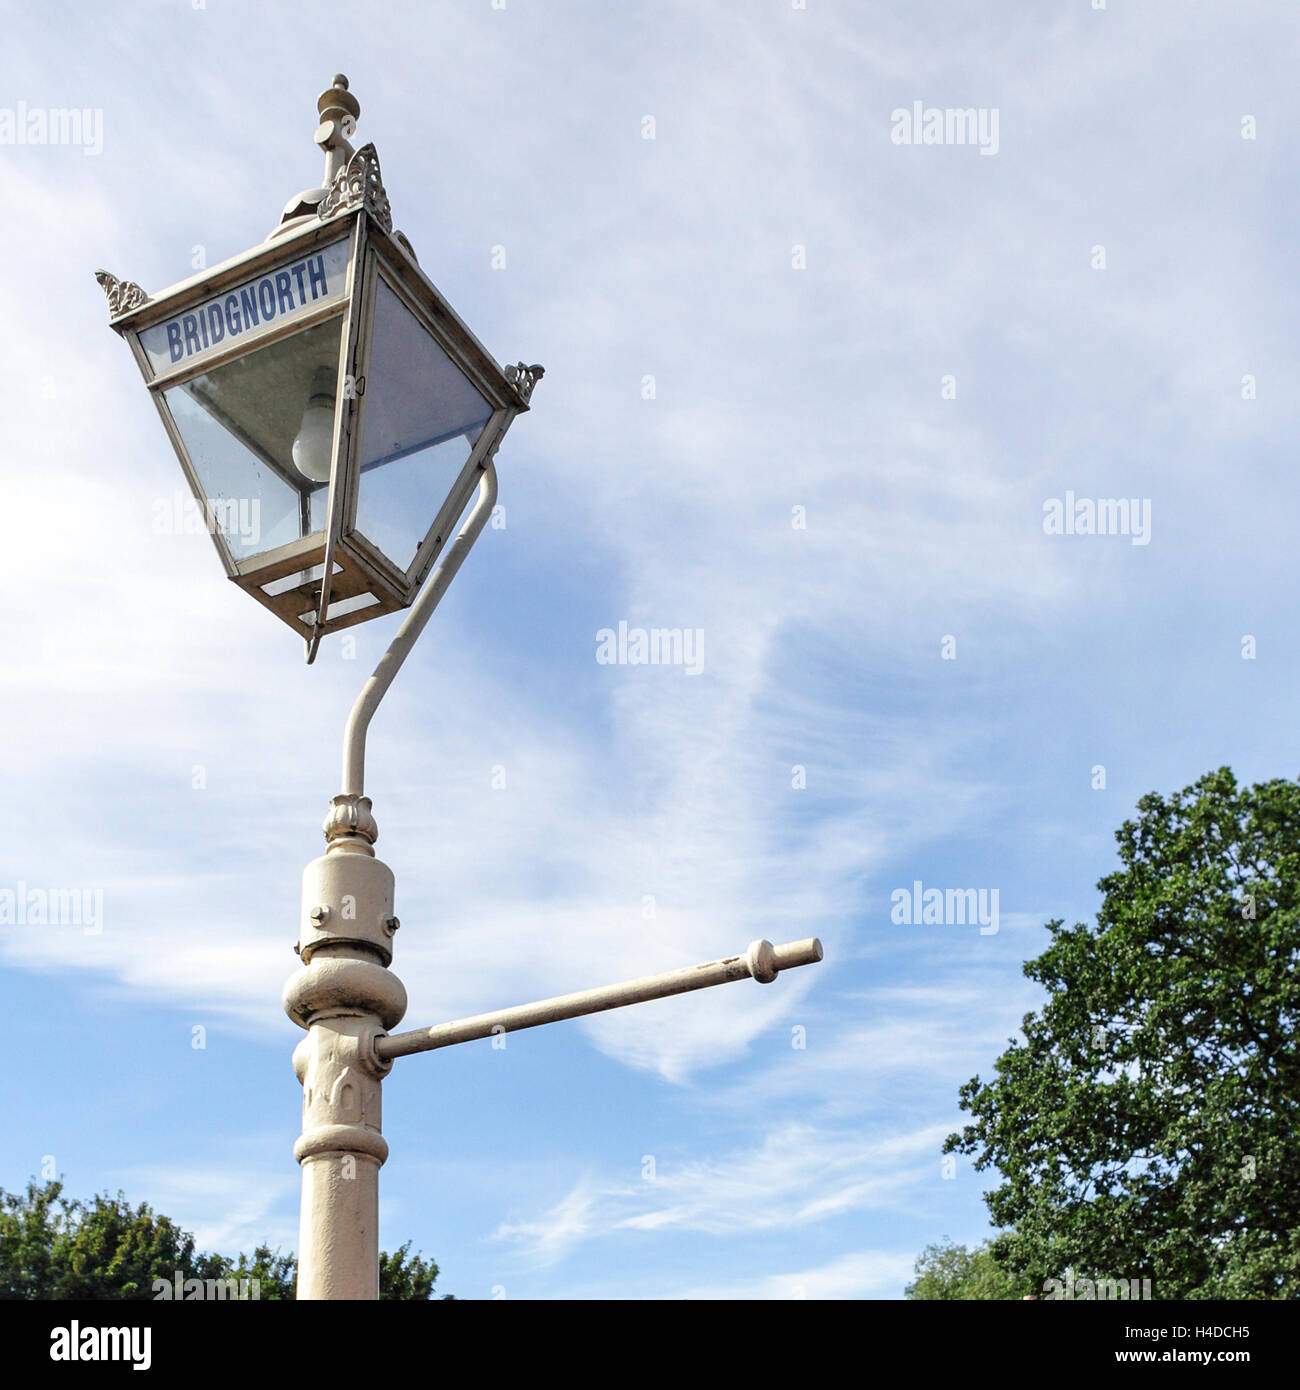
(358,184)
(338,110)
(523,378)
(123,295)
(351,176)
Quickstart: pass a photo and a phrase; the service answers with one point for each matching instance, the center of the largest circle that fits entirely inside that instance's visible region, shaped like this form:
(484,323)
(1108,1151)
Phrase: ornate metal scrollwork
(123,295)
(523,378)
(359,184)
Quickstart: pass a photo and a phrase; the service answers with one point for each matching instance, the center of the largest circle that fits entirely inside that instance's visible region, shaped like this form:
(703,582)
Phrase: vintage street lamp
(332,414)
(334,418)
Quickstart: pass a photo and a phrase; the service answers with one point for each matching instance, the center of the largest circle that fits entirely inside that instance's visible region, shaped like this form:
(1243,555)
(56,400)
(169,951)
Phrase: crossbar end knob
(766,961)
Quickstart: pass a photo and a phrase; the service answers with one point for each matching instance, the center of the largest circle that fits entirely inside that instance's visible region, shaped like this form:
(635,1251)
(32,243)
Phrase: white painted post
(343,996)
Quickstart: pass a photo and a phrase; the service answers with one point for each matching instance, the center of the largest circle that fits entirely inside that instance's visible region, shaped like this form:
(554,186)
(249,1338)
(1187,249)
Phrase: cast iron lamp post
(334,419)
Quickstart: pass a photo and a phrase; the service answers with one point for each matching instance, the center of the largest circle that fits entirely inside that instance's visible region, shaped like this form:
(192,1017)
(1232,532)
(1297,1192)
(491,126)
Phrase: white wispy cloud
(229,1208)
(797,1176)
(862,1274)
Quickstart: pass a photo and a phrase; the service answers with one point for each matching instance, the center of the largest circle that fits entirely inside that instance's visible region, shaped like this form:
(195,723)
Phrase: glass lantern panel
(259,432)
(423,418)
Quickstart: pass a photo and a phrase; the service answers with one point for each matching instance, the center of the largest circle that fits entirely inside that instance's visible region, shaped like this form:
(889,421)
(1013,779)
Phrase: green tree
(52,1246)
(56,1247)
(950,1271)
(276,1274)
(406,1278)
(1146,1127)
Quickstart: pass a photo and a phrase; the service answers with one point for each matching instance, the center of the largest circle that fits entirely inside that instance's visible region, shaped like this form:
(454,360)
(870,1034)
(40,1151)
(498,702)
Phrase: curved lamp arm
(354,736)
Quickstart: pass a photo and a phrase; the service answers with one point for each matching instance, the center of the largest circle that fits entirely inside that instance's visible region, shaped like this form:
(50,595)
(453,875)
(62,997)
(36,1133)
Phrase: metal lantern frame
(346,578)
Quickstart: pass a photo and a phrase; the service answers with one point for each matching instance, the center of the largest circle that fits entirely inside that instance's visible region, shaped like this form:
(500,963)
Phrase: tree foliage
(56,1247)
(406,1277)
(1146,1127)
(52,1246)
(950,1271)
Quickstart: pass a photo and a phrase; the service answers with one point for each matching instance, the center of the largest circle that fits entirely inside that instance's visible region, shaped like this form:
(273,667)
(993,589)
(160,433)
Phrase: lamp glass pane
(259,431)
(423,418)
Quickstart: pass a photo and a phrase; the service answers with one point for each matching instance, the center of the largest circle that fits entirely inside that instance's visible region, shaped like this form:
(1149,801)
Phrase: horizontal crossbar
(762,962)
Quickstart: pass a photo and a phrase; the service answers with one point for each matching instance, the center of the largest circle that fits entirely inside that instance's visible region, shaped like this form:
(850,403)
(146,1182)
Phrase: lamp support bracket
(374,690)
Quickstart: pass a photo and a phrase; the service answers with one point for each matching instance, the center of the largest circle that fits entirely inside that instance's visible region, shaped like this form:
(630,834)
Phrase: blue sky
(798,285)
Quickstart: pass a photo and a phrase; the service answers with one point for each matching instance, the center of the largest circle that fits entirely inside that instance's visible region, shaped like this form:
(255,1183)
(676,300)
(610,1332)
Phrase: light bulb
(311,447)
